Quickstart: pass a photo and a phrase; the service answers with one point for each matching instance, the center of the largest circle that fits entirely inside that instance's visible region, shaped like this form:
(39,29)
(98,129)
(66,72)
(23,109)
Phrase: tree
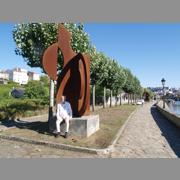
(128,86)
(33,38)
(45,80)
(98,70)
(148,94)
(137,89)
(111,78)
(119,82)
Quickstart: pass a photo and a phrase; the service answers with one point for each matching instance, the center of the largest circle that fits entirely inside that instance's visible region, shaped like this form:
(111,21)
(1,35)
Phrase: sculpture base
(83,126)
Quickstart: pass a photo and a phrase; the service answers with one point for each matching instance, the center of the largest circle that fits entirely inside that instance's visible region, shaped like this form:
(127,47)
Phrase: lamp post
(163,84)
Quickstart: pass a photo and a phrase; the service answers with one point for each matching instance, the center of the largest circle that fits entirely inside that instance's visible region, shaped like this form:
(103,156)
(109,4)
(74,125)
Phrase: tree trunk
(110,98)
(94,98)
(134,98)
(120,100)
(51,105)
(131,99)
(116,100)
(104,98)
(128,98)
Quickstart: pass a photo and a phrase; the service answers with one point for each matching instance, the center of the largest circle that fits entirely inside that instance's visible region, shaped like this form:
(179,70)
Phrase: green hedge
(12,108)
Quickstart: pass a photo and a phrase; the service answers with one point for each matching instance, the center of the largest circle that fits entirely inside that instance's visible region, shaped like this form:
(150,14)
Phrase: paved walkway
(148,135)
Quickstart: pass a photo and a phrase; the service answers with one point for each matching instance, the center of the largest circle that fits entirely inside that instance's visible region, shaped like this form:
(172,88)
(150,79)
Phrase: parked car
(140,102)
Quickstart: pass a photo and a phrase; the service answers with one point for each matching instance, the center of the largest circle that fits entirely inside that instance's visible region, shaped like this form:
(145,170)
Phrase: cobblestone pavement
(13,149)
(148,135)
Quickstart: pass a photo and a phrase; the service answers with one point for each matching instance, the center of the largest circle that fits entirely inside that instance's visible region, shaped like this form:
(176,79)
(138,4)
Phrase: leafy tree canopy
(33,38)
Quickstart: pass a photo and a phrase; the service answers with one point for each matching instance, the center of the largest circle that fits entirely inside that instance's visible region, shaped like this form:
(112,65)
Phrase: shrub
(12,108)
(36,90)
(45,80)
(6,89)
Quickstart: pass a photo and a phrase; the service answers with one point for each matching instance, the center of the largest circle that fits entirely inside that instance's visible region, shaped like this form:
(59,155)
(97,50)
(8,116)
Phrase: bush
(36,98)
(12,83)
(45,80)
(6,89)
(36,90)
(13,108)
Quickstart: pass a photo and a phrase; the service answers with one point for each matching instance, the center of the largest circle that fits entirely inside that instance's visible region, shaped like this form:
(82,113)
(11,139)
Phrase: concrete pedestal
(84,126)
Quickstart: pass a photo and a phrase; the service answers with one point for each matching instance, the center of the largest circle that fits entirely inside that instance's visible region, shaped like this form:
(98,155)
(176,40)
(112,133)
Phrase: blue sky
(151,51)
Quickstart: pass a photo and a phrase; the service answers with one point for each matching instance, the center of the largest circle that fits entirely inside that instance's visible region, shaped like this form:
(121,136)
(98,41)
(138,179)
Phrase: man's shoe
(57,135)
(66,135)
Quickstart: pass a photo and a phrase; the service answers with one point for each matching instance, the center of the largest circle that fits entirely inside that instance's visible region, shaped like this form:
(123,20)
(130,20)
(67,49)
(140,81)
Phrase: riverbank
(167,112)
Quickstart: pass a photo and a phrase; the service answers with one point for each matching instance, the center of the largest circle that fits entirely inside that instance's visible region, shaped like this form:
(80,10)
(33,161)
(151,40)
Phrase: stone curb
(173,118)
(57,145)
(104,151)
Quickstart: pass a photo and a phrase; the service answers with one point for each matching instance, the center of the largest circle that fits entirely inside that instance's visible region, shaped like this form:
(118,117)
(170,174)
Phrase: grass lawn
(111,120)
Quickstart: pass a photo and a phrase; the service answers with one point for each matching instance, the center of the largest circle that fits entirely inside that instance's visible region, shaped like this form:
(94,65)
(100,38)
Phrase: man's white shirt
(64,110)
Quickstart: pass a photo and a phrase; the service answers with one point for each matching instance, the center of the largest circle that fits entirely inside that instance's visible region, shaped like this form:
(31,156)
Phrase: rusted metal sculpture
(74,79)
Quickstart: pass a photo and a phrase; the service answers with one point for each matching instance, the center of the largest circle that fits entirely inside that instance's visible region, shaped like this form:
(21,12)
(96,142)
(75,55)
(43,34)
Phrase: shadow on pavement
(168,129)
(38,126)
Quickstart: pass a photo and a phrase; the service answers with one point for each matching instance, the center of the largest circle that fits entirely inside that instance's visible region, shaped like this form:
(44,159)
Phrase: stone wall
(170,116)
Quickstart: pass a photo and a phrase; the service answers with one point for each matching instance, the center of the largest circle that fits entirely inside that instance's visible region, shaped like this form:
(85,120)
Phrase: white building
(18,75)
(4,75)
(33,76)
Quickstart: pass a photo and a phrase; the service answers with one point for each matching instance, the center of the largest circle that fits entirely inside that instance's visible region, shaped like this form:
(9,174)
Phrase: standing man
(64,112)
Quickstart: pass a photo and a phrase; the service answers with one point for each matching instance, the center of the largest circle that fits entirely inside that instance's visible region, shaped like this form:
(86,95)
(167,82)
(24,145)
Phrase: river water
(174,108)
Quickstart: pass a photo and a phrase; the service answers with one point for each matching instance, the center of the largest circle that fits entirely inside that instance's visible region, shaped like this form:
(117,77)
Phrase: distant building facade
(4,75)
(18,75)
(33,76)
(3,81)
(168,91)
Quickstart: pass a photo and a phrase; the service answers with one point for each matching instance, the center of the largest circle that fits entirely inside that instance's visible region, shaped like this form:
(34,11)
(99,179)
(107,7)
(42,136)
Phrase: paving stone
(13,149)
(143,137)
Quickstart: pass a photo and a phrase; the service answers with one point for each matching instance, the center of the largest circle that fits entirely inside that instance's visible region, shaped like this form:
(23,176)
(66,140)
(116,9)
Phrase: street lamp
(163,84)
